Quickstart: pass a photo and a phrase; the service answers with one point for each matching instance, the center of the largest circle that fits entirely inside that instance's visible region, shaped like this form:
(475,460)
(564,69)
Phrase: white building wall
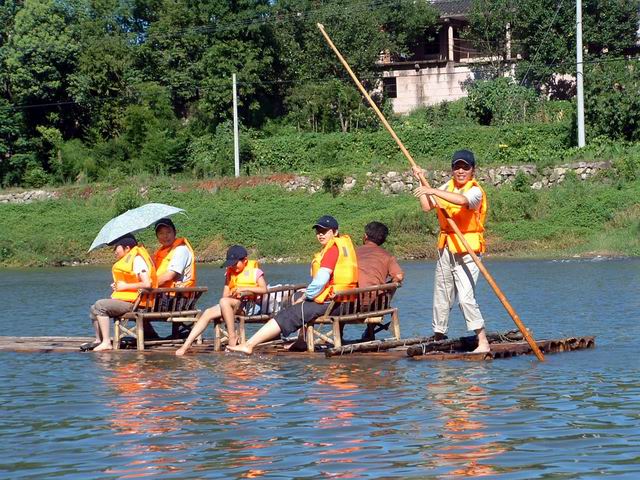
(429,86)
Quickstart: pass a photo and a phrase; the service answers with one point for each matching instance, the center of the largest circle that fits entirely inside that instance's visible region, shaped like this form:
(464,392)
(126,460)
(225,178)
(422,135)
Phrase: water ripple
(133,416)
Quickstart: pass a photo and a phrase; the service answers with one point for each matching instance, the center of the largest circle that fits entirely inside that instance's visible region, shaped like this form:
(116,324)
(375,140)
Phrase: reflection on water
(469,448)
(139,407)
(127,415)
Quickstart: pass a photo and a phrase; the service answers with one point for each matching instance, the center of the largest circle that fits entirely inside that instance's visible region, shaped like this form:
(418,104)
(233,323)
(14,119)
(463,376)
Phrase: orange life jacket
(122,270)
(470,222)
(248,277)
(345,274)
(162,260)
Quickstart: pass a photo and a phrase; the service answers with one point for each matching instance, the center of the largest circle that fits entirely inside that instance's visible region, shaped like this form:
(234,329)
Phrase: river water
(126,415)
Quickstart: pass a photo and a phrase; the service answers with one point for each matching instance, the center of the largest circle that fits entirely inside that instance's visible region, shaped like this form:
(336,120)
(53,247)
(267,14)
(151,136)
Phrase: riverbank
(576,218)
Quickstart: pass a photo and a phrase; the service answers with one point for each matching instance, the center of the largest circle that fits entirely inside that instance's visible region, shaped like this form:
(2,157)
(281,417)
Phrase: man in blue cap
(456,274)
(333,268)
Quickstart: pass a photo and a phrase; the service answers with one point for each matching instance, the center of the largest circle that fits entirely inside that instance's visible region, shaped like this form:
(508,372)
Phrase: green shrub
(6,252)
(333,182)
(127,198)
(77,162)
(522,182)
(627,168)
(445,113)
(213,155)
(14,168)
(500,101)
(613,101)
(36,177)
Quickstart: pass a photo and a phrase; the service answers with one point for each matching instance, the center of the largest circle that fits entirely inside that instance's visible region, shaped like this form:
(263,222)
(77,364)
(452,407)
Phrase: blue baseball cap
(234,255)
(326,221)
(465,156)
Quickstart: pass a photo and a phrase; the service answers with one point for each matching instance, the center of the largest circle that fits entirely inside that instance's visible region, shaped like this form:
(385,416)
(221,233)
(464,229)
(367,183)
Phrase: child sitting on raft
(334,268)
(243,276)
(133,270)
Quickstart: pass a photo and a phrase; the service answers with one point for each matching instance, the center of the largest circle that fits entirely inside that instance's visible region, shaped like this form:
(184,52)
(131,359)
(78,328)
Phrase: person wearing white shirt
(456,275)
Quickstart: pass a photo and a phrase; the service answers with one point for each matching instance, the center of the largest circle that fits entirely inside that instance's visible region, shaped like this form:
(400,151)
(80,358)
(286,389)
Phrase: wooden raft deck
(503,345)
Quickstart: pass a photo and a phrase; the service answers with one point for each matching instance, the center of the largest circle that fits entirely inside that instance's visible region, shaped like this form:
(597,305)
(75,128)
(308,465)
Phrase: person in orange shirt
(133,270)
(456,274)
(376,266)
(243,276)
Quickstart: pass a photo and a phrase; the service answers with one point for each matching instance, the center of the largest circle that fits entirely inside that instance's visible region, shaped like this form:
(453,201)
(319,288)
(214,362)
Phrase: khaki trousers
(110,307)
(456,276)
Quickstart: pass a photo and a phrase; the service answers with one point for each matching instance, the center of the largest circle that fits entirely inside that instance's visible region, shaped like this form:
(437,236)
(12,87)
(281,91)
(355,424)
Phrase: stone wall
(28,196)
(392,183)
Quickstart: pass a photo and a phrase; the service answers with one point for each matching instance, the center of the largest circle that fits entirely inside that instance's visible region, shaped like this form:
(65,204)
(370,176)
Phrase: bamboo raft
(503,345)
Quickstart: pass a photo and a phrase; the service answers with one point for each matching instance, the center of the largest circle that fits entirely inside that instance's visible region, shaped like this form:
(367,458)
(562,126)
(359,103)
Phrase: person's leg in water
(269,330)
(199,327)
(286,322)
(228,308)
(103,311)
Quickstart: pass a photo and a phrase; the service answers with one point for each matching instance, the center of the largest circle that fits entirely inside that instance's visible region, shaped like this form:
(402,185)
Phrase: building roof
(448,8)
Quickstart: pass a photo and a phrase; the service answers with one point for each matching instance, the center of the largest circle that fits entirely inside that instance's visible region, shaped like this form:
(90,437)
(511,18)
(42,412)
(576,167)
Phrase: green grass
(575,218)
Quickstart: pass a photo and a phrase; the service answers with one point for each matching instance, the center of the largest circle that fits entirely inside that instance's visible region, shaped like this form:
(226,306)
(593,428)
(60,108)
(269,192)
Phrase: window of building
(390,86)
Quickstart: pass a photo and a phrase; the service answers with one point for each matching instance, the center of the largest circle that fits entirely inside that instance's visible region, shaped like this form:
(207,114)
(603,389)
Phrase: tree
(361,31)
(41,55)
(105,73)
(610,26)
(544,33)
(612,96)
(10,133)
(490,21)
(194,47)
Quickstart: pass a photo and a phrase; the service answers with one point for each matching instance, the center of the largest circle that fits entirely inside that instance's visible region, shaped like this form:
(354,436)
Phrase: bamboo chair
(367,306)
(256,310)
(173,305)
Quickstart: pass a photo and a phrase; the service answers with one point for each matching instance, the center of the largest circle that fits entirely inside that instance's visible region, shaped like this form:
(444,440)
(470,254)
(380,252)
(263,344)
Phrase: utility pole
(236,140)
(579,74)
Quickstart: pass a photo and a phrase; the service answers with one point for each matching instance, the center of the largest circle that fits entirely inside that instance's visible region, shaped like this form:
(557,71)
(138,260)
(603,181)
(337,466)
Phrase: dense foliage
(105,89)
(543,34)
(614,100)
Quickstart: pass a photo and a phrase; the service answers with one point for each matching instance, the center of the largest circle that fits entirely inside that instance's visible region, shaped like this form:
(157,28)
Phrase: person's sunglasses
(461,165)
(322,231)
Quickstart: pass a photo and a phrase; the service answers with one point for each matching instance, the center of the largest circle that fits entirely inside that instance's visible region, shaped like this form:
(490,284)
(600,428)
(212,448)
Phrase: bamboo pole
(423,181)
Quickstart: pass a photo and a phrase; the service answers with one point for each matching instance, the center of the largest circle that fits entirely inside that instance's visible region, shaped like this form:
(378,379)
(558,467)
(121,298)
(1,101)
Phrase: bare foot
(103,346)
(232,342)
(482,348)
(242,348)
(181,351)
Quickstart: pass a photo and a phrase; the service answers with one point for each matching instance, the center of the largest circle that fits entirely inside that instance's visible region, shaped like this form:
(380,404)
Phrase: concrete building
(438,69)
